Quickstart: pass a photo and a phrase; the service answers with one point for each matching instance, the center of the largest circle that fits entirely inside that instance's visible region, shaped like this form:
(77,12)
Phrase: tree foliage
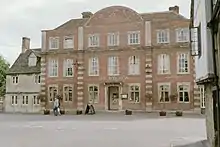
(4,66)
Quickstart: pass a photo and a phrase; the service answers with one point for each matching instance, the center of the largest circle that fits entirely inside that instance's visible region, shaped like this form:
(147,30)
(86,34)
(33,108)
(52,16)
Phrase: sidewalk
(188,143)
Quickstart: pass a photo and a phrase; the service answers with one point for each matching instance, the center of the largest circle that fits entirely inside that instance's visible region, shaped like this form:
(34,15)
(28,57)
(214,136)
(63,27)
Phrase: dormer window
(32,60)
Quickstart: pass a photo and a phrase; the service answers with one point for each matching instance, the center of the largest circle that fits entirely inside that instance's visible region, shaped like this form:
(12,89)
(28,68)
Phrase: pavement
(100,130)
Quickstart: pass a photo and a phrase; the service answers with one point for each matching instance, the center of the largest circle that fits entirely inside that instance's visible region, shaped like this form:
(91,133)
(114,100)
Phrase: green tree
(4,66)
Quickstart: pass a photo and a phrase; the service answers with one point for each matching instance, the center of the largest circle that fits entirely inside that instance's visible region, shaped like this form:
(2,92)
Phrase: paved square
(97,131)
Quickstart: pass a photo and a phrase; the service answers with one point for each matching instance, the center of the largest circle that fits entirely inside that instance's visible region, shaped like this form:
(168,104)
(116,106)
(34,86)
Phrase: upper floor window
(113,65)
(182,35)
(134,65)
(93,66)
(37,79)
(68,68)
(113,39)
(93,40)
(163,64)
(133,38)
(32,60)
(183,92)
(53,68)
(183,63)
(54,43)
(68,42)
(15,79)
(163,36)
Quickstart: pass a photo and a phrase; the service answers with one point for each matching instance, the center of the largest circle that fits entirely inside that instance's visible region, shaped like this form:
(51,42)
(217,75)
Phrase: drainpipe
(217,104)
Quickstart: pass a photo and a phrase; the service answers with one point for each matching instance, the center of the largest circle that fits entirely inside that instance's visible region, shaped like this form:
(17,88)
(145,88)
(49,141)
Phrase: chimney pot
(87,14)
(174,9)
(25,44)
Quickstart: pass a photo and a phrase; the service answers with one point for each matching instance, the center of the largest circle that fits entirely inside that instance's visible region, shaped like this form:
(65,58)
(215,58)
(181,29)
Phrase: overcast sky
(27,18)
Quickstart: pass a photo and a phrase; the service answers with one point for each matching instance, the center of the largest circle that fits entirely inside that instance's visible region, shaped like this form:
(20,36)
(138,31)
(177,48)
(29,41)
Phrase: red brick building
(117,58)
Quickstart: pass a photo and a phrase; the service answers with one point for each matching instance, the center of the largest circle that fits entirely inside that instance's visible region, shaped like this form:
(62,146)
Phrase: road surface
(97,131)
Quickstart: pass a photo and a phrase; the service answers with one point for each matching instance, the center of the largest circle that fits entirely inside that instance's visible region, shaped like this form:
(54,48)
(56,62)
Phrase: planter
(128,112)
(163,113)
(62,112)
(179,113)
(46,112)
(79,112)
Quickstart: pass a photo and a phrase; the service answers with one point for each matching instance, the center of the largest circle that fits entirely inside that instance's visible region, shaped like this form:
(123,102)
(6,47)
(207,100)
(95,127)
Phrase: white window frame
(163,36)
(55,87)
(93,66)
(159,92)
(182,35)
(202,96)
(134,37)
(113,65)
(37,79)
(178,63)
(163,64)
(15,80)
(130,91)
(90,99)
(14,100)
(25,100)
(134,65)
(68,67)
(113,39)
(66,44)
(56,40)
(66,97)
(183,84)
(93,40)
(36,100)
(53,66)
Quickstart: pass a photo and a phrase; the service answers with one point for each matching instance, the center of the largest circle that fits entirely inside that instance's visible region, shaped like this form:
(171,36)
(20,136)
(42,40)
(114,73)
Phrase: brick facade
(122,20)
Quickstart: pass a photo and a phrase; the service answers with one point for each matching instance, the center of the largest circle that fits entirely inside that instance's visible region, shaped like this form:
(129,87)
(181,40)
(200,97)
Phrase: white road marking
(110,128)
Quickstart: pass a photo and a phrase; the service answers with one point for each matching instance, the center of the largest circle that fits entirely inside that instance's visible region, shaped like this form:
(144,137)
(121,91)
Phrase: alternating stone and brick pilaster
(80,82)
(148,81)
(43,84)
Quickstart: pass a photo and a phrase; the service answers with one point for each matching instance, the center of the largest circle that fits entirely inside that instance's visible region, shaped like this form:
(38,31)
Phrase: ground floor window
(164,92)
(134,93)
(183,92)
(36,100)
(14,100)
(68,93)
(93,93)
(25,100)
(202,96)
(52,92)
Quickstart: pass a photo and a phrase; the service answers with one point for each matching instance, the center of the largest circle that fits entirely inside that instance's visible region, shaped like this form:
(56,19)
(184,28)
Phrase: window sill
(53,76)
(164,102)
(134,74)
(93,75)
(53,48)
(184,73)
(68,76)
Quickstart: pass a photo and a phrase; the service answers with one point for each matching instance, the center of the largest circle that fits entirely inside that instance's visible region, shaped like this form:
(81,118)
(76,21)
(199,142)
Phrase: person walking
(56,106)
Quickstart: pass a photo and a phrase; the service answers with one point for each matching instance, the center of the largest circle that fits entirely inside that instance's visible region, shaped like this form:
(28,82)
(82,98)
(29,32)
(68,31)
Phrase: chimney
(25,44)
(174,9)
(86,14)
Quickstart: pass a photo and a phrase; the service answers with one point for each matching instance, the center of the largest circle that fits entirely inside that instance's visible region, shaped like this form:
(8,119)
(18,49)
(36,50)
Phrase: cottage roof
(20,66)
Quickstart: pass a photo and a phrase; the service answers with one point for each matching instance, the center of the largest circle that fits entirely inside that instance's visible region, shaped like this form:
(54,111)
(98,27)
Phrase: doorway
(113,98)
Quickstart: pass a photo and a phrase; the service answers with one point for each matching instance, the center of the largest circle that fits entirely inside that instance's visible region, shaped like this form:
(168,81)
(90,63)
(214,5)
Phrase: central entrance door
(113,98)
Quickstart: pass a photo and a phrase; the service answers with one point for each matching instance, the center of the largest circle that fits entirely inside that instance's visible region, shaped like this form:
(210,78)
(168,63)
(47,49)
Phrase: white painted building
(202,49)
(23,81)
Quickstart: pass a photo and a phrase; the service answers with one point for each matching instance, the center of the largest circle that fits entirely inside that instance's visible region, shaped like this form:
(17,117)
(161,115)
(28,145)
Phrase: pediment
(114,15)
